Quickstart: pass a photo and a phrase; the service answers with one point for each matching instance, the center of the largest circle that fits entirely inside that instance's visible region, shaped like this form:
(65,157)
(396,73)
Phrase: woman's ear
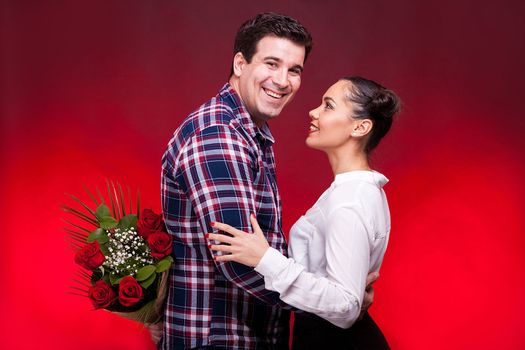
(362,127)
(238,64)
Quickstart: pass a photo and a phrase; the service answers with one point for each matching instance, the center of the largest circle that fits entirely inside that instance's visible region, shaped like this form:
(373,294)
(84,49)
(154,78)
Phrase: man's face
(269,82)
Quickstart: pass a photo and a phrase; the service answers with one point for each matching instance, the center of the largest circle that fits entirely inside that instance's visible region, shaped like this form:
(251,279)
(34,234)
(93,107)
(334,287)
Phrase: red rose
(149,222)
(160,244)
(101,295)
(90,257)
(130,291)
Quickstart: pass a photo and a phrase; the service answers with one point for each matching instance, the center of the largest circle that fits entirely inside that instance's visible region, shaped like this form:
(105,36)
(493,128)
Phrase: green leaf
(79,214)
(102,211)
(130,202)
(138,204)
(115,279)
(90,195)
(121,197)
(100,195)
(77,226)
(127,222)
(108,222)
(145,272)
(104,249)
(76,235)
(81,203)
(96,275)
(145,284)
(110,196)
(99,234)
(164,264)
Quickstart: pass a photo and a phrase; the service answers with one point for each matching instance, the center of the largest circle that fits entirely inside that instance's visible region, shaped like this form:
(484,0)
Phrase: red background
(93,90)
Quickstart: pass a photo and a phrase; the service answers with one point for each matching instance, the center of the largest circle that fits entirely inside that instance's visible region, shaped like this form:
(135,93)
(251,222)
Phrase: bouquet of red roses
(125,256)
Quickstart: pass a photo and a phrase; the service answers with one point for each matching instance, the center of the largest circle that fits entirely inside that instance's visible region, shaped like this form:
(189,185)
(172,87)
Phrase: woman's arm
(337,297)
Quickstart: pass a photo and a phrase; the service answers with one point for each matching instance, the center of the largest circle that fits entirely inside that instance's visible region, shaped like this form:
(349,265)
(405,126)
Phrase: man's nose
(280,78)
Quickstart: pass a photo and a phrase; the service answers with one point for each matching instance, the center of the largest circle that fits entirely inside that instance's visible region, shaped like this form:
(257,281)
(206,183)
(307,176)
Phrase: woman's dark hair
(375,102)
(274,24)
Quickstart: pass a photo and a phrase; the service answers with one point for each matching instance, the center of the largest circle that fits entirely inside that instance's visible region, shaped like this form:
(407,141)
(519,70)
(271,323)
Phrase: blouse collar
(373,177)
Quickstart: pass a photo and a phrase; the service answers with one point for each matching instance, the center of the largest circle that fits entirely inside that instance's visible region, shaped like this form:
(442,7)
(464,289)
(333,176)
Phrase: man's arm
(217,168)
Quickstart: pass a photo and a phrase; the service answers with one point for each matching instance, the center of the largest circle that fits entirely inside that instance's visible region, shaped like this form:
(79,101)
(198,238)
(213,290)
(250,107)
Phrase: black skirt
(312,332)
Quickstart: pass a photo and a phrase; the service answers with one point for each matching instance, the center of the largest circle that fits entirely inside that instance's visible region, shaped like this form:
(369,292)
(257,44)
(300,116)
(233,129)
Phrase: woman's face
(332,123)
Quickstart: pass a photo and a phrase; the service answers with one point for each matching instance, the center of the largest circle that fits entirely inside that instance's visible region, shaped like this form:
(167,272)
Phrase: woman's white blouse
(332,249)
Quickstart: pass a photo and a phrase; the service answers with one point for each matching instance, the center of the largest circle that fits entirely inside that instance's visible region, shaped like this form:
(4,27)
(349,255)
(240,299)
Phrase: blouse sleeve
(336,297)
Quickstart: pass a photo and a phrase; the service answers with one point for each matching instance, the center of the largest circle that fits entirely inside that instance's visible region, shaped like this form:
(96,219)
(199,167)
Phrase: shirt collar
(262,134)
(373,177)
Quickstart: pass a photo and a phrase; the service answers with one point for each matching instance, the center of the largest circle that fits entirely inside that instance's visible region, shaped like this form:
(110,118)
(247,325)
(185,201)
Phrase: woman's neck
(345,160)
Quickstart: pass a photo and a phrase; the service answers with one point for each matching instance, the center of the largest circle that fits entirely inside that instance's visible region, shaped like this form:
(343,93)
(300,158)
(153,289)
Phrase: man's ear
(238,64)
(362,127)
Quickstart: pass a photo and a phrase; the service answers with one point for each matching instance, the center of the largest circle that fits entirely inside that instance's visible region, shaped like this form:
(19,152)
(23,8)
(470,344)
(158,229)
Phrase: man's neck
(234,83)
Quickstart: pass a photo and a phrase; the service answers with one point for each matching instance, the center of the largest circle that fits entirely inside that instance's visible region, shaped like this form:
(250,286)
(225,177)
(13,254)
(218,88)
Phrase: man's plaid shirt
(219,166)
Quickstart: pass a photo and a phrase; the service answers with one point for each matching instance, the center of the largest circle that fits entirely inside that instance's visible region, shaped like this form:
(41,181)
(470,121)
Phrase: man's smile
(273,94)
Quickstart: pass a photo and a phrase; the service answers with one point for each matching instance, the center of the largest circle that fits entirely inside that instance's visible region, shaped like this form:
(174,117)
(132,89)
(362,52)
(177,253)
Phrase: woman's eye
(328,106)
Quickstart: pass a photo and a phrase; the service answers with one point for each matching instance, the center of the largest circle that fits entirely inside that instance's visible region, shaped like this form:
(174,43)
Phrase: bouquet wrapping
(125,256)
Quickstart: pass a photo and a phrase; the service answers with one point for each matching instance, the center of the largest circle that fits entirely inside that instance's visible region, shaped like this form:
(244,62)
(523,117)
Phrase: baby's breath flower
(128,252)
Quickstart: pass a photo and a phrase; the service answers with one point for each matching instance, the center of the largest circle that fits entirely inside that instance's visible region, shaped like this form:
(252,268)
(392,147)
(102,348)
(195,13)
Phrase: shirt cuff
(271,263)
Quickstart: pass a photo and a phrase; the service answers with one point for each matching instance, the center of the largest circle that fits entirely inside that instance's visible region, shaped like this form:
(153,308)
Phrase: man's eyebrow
(299,67)
(277,59)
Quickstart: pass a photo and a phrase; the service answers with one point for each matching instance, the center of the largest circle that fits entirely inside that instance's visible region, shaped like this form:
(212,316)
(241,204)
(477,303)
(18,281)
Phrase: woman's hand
(243,247)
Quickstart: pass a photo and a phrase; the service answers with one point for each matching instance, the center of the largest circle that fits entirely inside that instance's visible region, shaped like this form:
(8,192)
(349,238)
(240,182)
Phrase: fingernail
(212,223)
(209,246)
(252,215)
(207,236)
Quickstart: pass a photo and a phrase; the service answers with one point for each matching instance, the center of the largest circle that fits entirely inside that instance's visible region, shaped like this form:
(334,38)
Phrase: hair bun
(384,103)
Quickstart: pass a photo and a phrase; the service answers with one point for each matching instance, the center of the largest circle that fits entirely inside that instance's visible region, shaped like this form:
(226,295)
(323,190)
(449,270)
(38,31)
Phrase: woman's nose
(313,114)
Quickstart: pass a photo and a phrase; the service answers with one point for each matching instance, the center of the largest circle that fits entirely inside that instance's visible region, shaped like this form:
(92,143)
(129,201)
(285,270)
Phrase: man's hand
(155,331)
(368,299)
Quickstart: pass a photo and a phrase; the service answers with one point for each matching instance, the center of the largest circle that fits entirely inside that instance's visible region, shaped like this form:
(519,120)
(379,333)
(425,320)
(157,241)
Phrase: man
(219,166)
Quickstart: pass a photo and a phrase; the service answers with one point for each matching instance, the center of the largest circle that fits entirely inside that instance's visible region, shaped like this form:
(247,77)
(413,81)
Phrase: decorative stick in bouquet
(126,256)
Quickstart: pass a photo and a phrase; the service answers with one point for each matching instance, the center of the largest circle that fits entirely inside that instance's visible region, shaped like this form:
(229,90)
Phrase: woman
(343,236)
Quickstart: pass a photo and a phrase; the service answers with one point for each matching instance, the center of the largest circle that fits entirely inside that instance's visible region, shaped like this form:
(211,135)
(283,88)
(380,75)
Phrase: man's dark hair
(273,24)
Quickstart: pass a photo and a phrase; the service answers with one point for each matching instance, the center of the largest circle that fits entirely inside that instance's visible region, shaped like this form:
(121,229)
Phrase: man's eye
(272,64)
(295,71)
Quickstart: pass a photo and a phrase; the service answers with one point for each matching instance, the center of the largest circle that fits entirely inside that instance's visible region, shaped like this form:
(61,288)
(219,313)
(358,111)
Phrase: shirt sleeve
(217,169)
(336,297)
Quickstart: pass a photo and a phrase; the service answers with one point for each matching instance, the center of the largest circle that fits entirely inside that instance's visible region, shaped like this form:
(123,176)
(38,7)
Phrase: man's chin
(271,113)
(266,114)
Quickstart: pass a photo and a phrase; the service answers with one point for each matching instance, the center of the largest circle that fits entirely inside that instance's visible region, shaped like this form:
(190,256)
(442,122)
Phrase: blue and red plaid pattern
(219,166)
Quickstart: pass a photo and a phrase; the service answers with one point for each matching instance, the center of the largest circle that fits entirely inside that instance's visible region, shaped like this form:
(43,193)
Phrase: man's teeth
(273,94)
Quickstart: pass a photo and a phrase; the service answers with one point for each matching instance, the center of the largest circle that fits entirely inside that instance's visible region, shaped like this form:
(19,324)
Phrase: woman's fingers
(226,228)
(220,238)
(221,248)
(241,247)
(222,258)
(255,224)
